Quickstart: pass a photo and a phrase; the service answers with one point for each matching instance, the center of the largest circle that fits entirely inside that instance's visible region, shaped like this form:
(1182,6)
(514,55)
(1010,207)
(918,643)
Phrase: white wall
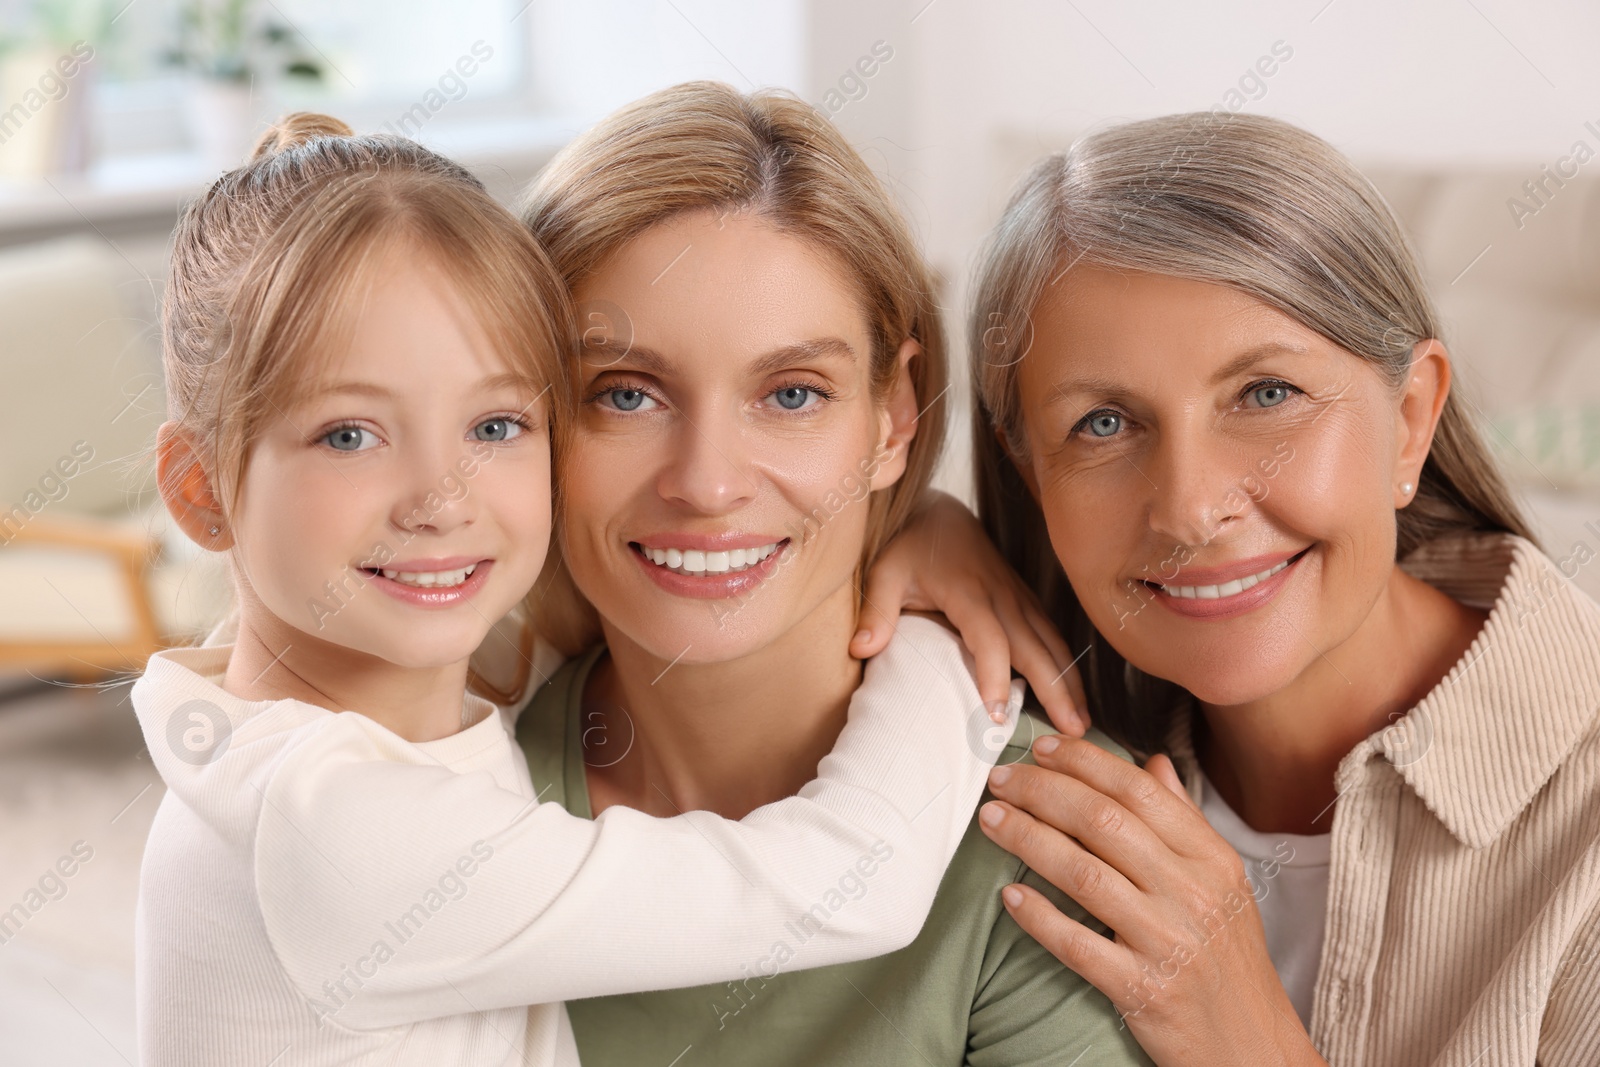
(592,56)
(976,89)
(1430,80)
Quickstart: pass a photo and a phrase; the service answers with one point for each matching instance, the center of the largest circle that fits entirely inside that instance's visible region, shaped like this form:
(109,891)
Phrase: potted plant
(232,53)
(46,79)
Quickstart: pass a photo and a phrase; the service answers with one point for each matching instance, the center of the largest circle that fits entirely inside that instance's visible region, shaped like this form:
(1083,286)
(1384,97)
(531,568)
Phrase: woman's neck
(1274,760)
(723,737)
(274,661)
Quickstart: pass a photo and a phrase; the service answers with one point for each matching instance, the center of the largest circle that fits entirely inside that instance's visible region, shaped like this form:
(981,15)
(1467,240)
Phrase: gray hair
(1245,201)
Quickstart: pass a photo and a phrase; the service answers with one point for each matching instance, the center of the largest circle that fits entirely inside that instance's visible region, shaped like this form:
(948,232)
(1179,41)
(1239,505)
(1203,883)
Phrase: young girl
(362,354)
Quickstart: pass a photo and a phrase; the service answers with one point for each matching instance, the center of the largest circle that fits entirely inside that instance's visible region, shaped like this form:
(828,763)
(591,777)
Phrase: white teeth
(697,562)
(1226,589)
(430,579)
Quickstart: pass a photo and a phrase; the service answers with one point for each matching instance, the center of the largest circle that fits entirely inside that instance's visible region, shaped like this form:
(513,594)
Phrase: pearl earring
(1406,488)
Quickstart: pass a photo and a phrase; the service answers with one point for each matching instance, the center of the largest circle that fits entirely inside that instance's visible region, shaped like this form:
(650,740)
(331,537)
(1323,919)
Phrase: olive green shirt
(973,988)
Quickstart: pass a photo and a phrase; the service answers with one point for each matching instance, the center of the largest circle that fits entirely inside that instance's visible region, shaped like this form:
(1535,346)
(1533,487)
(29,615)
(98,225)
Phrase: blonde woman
(760,407)
(1218,433)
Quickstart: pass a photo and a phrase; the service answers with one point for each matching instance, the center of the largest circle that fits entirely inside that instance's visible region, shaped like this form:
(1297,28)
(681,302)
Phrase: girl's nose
(436,499)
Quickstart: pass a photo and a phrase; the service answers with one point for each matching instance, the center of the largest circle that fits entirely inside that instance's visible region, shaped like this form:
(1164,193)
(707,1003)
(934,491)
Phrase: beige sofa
(92,577)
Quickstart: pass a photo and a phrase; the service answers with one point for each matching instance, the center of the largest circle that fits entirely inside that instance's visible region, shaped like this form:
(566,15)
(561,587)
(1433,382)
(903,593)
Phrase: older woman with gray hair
(1216,430)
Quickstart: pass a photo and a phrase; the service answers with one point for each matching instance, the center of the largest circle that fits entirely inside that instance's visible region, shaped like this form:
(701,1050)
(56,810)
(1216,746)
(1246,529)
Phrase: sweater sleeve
(396,890)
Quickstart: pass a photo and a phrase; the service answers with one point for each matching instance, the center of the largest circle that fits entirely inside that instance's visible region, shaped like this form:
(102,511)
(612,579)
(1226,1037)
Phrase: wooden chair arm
(133,545)
(133,549)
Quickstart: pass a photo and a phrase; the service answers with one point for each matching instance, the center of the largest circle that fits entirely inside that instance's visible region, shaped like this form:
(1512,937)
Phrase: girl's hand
(1189,968)
(943,561)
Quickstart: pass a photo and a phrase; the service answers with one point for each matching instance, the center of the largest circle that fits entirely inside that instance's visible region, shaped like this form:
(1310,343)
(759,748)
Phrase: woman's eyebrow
(1066,388)
(603,354)
(607,352)
(804,351)
(1253,355)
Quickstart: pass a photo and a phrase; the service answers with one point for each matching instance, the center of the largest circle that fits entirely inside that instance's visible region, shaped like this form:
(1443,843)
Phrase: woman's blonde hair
(704,146)
(1249,202)
(269,263)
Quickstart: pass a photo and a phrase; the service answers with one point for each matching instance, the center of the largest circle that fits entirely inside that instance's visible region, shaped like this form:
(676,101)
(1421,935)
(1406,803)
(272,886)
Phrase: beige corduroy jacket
(1463,921)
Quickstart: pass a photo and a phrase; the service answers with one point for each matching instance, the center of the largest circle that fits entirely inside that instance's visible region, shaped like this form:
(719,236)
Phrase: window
(496,82)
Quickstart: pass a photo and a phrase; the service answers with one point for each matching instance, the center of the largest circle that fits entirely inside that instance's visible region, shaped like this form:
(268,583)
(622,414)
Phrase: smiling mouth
(697,563)
(426,579)
(1224,589)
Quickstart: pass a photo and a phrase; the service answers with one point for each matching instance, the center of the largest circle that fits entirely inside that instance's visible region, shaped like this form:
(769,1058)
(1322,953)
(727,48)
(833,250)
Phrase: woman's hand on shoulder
(943,561)
(1189,969)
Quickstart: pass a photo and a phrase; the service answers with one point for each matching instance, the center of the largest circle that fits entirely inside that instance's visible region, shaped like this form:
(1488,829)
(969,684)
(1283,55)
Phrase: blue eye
(626,399)
(1103,423)
(1271,394)
(792,398)
(350,439)
(497,430)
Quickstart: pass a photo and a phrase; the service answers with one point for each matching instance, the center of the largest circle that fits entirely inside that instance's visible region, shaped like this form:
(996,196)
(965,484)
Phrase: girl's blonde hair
(269,263)
(704,146)
(1249,202)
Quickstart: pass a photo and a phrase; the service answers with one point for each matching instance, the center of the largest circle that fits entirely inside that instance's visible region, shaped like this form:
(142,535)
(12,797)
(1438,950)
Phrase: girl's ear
(1426,389)
(898,419)
(187,490)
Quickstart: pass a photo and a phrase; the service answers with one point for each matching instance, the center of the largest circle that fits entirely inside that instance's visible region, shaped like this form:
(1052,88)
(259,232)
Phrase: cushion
(83,392)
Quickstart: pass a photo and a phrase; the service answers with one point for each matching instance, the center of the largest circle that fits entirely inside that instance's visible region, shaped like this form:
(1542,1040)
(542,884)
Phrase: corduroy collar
(1484,740)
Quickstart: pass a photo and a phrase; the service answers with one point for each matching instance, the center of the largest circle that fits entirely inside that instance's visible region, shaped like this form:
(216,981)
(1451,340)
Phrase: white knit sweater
(317,890)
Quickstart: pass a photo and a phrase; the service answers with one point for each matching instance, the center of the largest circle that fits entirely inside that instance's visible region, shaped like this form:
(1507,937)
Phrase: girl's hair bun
(296,128)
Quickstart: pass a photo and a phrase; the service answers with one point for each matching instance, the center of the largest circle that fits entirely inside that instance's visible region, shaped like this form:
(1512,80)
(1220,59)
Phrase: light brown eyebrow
(508,380)
(1066,387)
(489,384)
(344,388)
(608,352)
(803,352)
(1253,355)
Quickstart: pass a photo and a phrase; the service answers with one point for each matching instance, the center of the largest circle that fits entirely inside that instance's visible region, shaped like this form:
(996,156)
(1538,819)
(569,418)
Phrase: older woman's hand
(1189,968)
(943,561)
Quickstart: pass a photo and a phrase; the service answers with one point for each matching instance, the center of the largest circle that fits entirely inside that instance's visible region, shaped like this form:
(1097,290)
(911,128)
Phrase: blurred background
(1478,119)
